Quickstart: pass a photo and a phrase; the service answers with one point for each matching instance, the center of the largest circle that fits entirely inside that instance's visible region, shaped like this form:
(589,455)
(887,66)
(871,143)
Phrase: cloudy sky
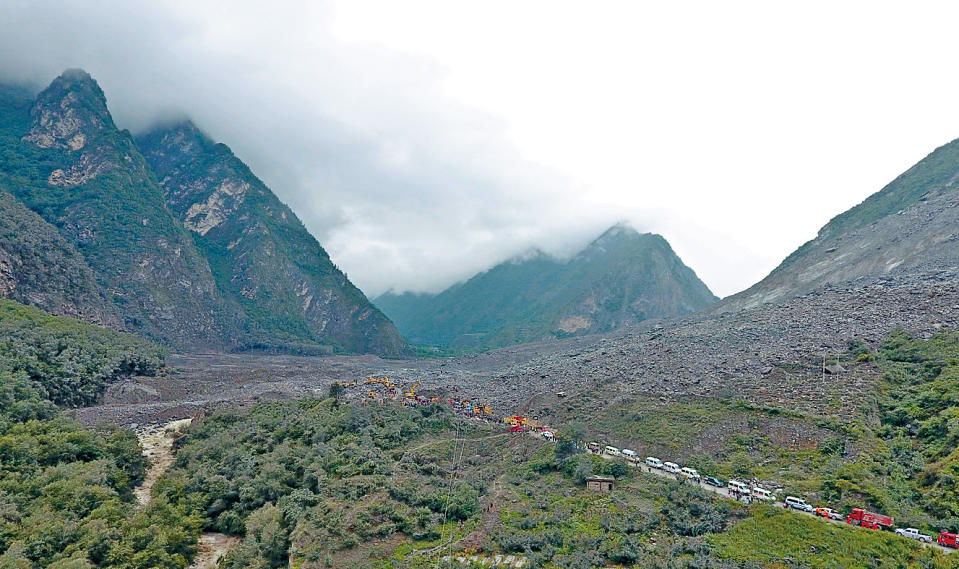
(422,141)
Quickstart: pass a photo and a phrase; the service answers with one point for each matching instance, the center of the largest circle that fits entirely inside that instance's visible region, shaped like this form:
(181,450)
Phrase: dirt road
(724,492)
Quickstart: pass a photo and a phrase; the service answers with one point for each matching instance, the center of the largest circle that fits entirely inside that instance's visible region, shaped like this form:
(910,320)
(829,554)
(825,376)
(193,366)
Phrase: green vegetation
(319,483)
(66,498)
(322,484)
(898,457)
(782,539)
(320,479)
(622,277)
(69,362)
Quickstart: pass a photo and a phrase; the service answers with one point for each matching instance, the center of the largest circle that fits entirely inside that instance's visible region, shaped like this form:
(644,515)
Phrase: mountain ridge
(619,278)
(263,258)
(79,184)
(908,223)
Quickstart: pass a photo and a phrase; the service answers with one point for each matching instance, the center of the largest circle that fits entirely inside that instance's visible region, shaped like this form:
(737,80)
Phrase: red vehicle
(517,429)
(948,539)
(867,519)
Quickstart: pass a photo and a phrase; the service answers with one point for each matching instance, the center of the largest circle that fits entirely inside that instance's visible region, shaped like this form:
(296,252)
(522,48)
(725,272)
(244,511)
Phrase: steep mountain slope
(289,292)
(621,278)
(38,267)
(65,159)
(909,224)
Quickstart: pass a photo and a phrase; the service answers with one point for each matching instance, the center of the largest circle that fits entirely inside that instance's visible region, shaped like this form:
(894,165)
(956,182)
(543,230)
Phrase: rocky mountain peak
(172,144)
(69,113)
(622,240)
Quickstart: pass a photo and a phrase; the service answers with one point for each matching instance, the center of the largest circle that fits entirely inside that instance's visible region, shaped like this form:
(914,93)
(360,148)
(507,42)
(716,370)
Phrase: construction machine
(384,381)
(412,391)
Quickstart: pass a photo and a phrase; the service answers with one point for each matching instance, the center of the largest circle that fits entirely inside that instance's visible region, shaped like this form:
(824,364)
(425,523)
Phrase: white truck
(914,534)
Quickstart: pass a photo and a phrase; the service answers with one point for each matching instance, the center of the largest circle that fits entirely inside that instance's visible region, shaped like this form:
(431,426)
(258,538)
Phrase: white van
(737,486)
(612,451)
(763,494)
(797,504)
(653,462)
(689,473)
(671,467)
(629,453)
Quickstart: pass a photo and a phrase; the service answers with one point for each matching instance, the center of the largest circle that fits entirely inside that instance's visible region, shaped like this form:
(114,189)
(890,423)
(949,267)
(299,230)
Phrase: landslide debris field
(769,355)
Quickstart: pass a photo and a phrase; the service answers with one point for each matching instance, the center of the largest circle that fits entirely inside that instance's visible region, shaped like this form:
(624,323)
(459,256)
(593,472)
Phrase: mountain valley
(143,278)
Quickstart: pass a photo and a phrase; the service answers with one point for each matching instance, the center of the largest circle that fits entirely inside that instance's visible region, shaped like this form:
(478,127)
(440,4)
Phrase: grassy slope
(782,539)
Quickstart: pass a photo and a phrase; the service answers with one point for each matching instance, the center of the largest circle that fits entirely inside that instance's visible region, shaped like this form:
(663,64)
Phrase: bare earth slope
(911,223)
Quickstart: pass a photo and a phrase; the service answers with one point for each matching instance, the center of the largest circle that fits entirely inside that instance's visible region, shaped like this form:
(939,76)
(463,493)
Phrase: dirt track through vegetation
(211,548)
(157,443)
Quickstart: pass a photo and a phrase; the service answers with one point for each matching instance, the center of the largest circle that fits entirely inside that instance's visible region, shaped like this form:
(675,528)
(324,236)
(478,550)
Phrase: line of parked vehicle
(742,491)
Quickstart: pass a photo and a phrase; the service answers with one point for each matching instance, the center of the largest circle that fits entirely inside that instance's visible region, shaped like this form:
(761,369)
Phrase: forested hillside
(620,279)
(66,492)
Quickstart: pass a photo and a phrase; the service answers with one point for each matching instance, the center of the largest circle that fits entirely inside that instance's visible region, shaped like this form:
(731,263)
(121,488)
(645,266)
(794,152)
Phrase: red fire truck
(947,539)
(867,519)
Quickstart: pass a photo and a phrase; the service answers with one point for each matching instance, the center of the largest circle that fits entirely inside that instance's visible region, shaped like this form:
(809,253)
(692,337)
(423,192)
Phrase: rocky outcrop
(290,294)
(212,259)
(106,204)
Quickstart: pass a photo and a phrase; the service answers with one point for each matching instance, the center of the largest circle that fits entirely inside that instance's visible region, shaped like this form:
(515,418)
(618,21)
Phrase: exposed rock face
(100,194)
(38,267)
(67,116)
(620,279)
(912,223)
(210,260)
(289,292)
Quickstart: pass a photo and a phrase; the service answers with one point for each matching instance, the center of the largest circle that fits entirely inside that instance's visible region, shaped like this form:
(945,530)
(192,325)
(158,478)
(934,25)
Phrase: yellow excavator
(384,381)
(412,391)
